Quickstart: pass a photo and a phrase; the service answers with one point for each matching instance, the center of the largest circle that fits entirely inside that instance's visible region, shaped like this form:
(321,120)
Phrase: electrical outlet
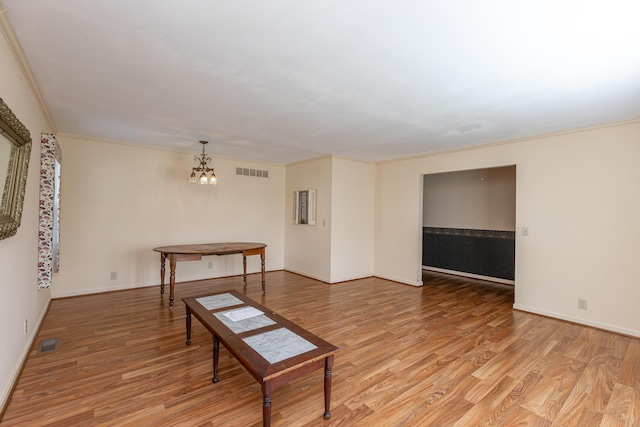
(26,329)
(525,231)
(210,264)
(114,275)
(582,303)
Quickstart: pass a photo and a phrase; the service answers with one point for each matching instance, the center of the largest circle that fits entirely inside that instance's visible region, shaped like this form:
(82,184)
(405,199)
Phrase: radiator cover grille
(488,253)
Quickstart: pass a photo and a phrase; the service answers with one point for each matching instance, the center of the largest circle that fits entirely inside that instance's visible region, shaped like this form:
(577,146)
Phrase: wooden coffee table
(271,348)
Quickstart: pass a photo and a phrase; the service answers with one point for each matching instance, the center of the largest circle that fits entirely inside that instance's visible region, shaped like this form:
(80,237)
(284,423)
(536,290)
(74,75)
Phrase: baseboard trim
(13,381)
(584,322)
(312,276)
(401,281)
(66,294)
(470,275)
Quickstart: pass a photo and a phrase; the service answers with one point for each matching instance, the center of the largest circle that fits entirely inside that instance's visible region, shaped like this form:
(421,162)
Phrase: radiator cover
(488,253)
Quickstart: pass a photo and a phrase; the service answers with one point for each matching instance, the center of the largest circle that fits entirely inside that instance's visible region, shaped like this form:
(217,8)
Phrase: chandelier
(203,166)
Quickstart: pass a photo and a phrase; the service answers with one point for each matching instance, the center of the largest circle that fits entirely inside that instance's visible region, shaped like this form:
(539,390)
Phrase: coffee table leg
(188,318)
(216,357)
(244,268)
(327,386)
(267,391)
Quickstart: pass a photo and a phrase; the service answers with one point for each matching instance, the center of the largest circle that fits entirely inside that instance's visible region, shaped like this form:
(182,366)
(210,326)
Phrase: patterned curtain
(50,160)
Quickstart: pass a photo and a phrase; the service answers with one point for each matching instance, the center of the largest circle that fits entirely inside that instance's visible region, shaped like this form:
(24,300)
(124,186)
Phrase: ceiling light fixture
(203,161)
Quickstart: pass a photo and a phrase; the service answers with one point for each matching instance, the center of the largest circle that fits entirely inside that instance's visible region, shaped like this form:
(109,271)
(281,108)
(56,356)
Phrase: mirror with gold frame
(14,165)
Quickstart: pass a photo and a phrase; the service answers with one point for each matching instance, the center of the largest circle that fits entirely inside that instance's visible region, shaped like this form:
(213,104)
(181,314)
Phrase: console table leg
(267,390)
(244,268)
(162,259)
(172,278)
(188,317)
(327,386)
(262,263)
(216,357)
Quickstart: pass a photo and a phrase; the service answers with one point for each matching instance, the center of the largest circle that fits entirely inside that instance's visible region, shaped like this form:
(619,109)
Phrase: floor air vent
(48,345)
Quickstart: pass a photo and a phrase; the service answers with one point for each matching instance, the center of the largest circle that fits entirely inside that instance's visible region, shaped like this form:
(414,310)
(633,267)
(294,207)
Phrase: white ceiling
(280,81)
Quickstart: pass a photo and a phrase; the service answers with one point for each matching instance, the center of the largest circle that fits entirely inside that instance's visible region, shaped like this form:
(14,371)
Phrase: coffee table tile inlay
(245,325)
(288,344)
(218,301)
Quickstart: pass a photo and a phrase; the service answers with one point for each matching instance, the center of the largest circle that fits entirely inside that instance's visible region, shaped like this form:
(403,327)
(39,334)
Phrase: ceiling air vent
(252,172)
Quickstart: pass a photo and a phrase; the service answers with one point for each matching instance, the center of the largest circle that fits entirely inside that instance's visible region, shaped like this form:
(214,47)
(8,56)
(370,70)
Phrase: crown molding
(67,136)
(518,140)
(12,40)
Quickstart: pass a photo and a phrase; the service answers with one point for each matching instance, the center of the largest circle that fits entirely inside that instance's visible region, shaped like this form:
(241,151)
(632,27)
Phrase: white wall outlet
(114,275)
(26,327)
(210,264)
(582,303)
(525,231)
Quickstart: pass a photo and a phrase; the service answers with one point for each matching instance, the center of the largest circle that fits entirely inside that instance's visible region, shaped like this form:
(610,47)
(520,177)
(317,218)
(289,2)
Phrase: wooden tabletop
(211,248)
(259,368)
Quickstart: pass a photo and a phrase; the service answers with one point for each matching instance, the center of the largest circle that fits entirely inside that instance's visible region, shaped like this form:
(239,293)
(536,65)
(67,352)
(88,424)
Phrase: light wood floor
(452,353)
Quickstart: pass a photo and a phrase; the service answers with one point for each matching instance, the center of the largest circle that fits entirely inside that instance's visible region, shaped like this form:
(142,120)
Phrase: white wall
(578,192)
(340,246)
(308,247)
(120,201)
(19,253)
(481,199)
(352,214)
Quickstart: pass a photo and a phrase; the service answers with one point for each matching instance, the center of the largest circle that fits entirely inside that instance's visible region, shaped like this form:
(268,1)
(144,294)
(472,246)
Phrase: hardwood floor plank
(504,409)
(588,418)
(452,352)
(481,410)
(619,405)
(523,417)
(630,369)
(550,394)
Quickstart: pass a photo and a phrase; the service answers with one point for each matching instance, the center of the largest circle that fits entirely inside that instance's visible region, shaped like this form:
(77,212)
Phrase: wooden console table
(271,348)
(178,253)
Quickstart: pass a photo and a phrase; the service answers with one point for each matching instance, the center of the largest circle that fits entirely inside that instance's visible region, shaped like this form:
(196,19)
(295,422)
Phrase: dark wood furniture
(271,348)
(177,253)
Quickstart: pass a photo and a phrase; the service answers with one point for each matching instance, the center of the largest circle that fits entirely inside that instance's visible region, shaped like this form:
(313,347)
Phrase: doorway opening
(469,223)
